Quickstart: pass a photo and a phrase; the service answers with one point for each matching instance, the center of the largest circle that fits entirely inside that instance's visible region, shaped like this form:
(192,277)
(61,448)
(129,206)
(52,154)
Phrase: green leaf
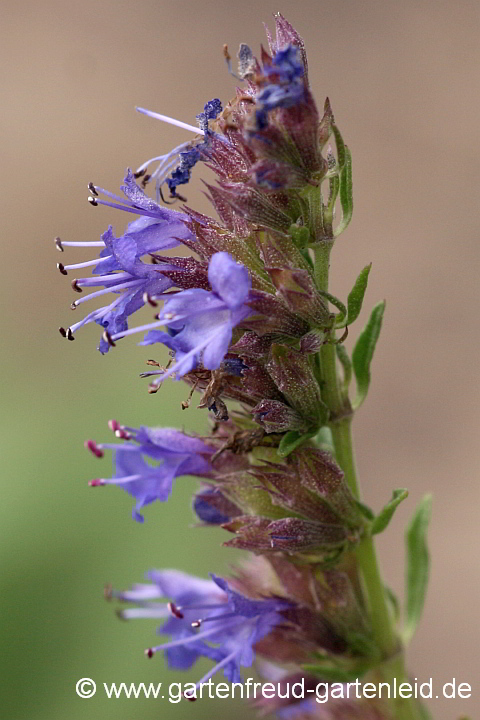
(365,510)
(418,565)
(341,148)
(346,194)
(363,352)
(346,363)
(291,440)
(355,298)
(335,301)
(384,516)
(393,600)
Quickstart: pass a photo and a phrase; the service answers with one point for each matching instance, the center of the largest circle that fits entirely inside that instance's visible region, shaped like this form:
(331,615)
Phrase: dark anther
(70,335)
(175,611)
(145,181)
(139,173)
(58,244)
(62,332)
(75,286)
(61,267)
(148,299)
(149,653)
(107,591)
(91,187)
(108,338)
(92,201)
(94,449)
(73,306)
(189,697)
(160,192)
(196,623)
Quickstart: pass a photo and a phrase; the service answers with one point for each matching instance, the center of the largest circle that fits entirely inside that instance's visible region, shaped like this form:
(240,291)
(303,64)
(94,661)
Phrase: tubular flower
(200,323)
(177,454)
(230,627)
(119,268)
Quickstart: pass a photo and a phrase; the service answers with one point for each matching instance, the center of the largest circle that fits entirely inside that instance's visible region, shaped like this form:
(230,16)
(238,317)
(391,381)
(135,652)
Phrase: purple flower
(286,88)
(119,268)
(200,323)
(234,623)
(184,156)
(177,453)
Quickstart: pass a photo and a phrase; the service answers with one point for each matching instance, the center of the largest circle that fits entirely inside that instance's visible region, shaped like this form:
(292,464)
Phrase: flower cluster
(247,317)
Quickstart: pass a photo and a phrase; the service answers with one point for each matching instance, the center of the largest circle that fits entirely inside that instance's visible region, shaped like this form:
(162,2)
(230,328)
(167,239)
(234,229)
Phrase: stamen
(107,290)
(148,299)
(91,187)
(94,448)
(87,263)
(175,611)
(66,333)
(58,244)
(169,120)
(98,482)
(75,286)
(61,267)
(108,339)
(186,403)
(92,201)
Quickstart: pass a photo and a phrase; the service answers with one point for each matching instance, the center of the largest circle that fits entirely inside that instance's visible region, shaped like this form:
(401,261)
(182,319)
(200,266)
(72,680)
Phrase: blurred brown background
(403,81)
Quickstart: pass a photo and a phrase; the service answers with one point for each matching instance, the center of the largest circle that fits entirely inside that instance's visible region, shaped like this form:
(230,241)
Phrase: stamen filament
(170,121)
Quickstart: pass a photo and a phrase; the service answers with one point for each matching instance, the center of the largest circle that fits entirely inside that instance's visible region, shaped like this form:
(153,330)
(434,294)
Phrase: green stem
(383,627)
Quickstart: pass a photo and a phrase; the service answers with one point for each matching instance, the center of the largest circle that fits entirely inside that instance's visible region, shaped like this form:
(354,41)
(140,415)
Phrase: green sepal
(355,298)
(363,352)
(346,363)
(362,645)
(346,194)
(300,235)
(324,440)
(418,566)
(291,441)
(385,515)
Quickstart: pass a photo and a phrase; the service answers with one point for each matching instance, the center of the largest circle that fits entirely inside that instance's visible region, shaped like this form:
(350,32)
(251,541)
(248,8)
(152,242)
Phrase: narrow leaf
(340,146)
(363,352)
(383,518)
(291,441)
(355,298)
(418,565)
(346,194)
(346,363)
(335,301)
(365,510)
